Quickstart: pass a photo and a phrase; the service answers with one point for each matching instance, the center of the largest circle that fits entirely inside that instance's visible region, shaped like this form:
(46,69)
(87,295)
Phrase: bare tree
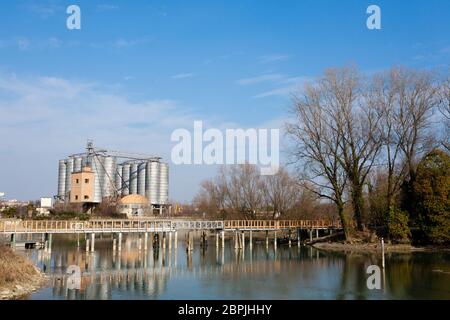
(444,108)
(280,192)
(316,138)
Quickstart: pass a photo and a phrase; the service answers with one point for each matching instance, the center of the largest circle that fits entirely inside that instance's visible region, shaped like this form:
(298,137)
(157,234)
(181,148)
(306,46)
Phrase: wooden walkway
(140,226)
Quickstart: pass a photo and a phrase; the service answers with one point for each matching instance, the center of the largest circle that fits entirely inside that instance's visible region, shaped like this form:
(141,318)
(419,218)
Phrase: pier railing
(134,226)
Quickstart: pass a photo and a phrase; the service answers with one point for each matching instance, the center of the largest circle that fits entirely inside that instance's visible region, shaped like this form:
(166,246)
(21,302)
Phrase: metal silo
(77,164)
(163,185)
(118,179)
(98,177)
(133,178)
(141,179)
(61,179)
(152,176)
(69,170)
(109,164)
(125,179)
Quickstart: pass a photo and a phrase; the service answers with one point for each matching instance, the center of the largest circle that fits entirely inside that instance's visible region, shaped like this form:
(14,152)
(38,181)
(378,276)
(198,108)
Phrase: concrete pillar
(114,244)
(299,237)
(251,239)
(170,240)
(87,245)
(223,239)
(78,240)
(331,232)
(13,240)
(310,235)
(290,241)
(120,241)
(275,240)
(140,242)
(164,241)
(92,242)
(317,233)
(267,239)
(217,240)
(145,241)
(243,240)
(235,240)
(175,240)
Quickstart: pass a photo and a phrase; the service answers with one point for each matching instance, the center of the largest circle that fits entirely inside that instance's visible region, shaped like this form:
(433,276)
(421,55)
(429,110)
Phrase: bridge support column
(92,242)
(290,241)
(119,242)
(114,244)
(267,239)
(50,240)
(243,240)
(175,240)
(164,241)
(87,245)
(299,237)
(236,240)
(275,240)
(170,240)
(13,240)
(310,235)
(140,242)
(223,239)
(317,233)
(217,240)
(190,241)
(145,241)
(78,240)
(251,240)
(331,232)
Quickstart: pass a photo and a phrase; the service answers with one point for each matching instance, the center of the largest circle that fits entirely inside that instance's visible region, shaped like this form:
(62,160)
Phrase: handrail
(110,226)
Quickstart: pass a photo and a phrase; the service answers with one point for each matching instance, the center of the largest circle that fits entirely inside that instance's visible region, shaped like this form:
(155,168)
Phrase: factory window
(77,181)
(86,197)
(86,180)
(76,197)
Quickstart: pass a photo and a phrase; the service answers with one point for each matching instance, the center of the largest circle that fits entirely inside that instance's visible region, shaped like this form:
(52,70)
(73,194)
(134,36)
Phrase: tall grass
(15,269)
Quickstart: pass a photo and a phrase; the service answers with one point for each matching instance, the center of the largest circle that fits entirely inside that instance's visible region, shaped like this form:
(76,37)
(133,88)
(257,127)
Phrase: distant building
(134,205)
(45,204)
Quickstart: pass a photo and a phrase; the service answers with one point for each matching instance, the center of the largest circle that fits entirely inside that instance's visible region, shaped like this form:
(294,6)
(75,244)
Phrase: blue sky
(137,70)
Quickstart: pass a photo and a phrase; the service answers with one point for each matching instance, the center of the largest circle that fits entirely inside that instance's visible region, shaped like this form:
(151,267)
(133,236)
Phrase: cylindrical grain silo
(163,185)
(118,179)
(69,170)
(61,179)
(97,168)
(109,164)
(77,164)
(152,176)
(141,178)
(133,178)
(125,179)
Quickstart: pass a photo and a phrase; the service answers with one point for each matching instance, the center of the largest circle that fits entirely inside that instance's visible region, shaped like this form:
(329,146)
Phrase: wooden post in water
(145,241)
(217,240)
(299,237)
(92,242)
(114,244)
(87,245)
(236,240)
(120,241)
(317,233)
(267,239)
(310,235)
(382,253)
(223,239)
(164,241)
(251,240)
(243,240)
(275,241)
(290,241)
(170,240)
(175,240)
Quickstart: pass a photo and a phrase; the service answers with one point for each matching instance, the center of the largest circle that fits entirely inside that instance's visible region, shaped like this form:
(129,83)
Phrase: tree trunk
(358,205)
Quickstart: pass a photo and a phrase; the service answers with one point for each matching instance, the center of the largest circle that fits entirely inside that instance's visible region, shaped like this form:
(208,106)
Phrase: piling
(92,242)
(290,242)
(87,245)
(175,240)
(170,240)
(275,240)
(120,242)
(317,233)
(251,240)
(223,239)
(298,237)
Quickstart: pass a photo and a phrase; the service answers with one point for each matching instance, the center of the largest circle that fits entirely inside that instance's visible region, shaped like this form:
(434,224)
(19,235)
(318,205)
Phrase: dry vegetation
(18,276)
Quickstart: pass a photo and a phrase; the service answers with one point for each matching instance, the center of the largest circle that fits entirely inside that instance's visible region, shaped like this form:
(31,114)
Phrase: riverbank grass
(18,276)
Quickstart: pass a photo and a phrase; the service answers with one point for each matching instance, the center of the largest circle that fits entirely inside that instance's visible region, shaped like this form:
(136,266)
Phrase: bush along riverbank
(18,276)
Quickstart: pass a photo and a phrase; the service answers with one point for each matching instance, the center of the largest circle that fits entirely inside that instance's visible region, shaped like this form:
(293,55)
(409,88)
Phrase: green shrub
(397,224)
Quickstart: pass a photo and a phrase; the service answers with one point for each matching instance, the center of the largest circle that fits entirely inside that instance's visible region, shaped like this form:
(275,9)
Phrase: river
(208,273)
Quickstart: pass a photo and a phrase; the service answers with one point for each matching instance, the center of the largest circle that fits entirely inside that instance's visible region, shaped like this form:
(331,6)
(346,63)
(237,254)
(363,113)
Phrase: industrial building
(99,175)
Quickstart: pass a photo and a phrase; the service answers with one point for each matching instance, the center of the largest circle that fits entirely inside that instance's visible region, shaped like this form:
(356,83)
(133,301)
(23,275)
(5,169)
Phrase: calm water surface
(208,273)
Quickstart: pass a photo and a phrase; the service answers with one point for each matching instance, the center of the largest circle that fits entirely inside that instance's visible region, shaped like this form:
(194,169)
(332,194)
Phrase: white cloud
(272,58)
(107,7)
(258,79)
(183,76)
(285,87)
